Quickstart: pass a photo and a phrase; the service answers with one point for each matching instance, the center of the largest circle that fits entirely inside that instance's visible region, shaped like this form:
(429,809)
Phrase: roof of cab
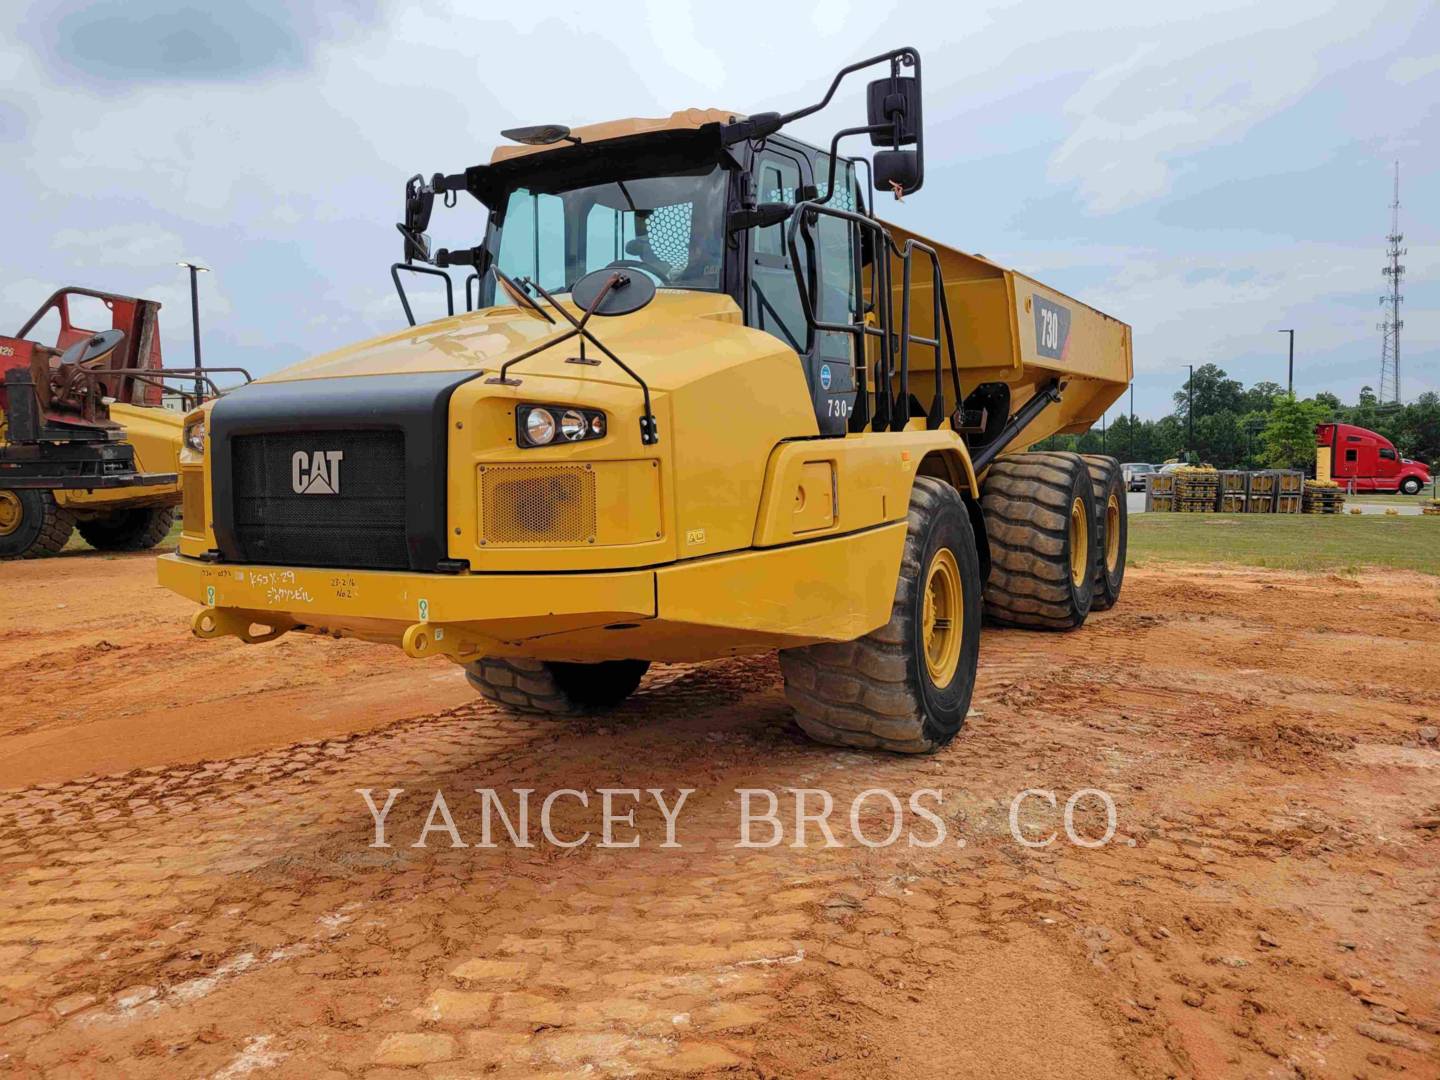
(682,120)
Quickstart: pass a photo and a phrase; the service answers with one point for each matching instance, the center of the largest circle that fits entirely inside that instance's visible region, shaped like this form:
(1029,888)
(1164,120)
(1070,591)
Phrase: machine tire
(1410,486)
(34,524)
(137,529)
(1038,507)
(880,691)
(552,688)
(1114,529)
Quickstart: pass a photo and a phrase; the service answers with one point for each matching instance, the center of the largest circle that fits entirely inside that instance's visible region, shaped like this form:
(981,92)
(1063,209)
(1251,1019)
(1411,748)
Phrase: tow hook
(210,623)
(426,639)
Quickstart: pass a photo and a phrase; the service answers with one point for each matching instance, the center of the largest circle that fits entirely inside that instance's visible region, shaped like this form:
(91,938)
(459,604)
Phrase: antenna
(1390,328)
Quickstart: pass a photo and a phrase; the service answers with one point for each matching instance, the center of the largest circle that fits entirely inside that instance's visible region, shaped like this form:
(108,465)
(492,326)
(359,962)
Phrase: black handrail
(888,413)
(405,302)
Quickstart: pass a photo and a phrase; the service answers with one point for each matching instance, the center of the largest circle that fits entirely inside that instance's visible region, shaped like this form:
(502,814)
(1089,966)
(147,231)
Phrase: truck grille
(537,504)
(350,510)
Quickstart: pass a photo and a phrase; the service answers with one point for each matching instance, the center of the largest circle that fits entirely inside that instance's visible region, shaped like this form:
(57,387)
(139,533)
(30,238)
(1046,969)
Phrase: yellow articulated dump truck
(702,402)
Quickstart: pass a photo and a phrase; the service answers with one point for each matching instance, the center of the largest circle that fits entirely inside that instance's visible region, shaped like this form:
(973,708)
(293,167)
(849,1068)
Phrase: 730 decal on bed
(1052,327)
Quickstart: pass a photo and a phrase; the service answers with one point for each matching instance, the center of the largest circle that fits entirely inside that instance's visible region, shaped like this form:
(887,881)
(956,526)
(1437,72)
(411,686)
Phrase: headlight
(543,425)
(539,427)
(195,436)
(573,426)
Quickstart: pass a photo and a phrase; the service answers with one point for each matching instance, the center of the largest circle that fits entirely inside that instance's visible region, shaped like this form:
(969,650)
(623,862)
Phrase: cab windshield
(669,226)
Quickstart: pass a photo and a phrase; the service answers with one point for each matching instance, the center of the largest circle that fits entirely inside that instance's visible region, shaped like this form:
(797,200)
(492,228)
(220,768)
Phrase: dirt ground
(189,888)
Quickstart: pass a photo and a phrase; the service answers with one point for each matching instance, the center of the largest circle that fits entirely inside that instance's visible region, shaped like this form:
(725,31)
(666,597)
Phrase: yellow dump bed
(1010,328)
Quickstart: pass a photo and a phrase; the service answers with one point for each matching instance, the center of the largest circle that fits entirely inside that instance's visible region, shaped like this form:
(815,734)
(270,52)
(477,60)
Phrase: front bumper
(836,589)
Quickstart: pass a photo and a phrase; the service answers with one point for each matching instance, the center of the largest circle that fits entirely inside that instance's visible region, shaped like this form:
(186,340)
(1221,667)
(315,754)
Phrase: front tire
(552,688)
(1041,519)
(1410,486)
(905,687)
(137,529)
(1114,528)
(32,524)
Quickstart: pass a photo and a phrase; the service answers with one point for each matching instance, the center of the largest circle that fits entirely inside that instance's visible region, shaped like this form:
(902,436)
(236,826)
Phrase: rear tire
(553,688)
(1114,528)
(32,524)
(137,529)
(1041,520)
(905,687)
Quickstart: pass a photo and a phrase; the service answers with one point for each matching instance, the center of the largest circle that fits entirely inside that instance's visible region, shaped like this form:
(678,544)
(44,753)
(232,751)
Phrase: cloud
(1207,82)
(121,245)
(14,122)
(1413,68)
(110,41)
(1205,174)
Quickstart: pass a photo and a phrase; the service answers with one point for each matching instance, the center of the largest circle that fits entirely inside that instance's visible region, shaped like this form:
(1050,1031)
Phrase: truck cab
(1362,460)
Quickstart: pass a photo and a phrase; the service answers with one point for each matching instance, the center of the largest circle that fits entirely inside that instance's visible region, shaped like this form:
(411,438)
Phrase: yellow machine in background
(707,404)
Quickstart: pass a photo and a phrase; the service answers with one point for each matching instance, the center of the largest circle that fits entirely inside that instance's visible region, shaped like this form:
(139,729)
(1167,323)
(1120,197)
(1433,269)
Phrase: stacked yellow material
(1323,497)
(1196,488)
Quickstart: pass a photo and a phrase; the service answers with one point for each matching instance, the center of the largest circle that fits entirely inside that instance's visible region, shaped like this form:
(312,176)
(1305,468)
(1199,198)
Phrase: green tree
(1289,437)
(1214,392)
(1261,397)
(1219,439)
(1167,440)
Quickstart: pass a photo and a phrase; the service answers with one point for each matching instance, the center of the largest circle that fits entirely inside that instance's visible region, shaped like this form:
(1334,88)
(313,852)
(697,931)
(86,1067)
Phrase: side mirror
(894,105)
(898,169)
(417,245)
(419,201)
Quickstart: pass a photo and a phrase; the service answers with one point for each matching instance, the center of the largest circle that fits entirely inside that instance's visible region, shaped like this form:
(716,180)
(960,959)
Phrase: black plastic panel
(392,431)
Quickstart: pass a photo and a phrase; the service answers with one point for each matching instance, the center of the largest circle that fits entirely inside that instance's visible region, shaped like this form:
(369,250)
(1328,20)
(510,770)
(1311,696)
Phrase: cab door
(837,300)
(772,299)
(781,174)
(1387,468)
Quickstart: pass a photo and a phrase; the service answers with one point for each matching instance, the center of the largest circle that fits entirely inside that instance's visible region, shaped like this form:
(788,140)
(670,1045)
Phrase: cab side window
(774,300)
(837,241)
(1387,454)
(532,244)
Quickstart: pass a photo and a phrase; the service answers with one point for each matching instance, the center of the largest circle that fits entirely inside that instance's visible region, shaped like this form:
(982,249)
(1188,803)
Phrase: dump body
(1011,329)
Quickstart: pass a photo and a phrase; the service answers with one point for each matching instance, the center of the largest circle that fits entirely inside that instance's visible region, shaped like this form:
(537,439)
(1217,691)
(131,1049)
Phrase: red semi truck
(1361,460)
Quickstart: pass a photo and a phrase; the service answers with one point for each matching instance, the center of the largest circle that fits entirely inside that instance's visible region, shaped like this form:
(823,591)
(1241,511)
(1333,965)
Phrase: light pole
(195,270)
(1132,419)
(1190,412)
(1290,382)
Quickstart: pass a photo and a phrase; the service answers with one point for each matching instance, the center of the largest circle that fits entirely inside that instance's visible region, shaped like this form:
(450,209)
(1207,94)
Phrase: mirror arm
(904,55)
(760,125)
(835,153)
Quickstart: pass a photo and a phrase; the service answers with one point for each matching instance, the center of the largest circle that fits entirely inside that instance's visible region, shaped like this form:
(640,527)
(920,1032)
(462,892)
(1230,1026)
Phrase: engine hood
(682,335)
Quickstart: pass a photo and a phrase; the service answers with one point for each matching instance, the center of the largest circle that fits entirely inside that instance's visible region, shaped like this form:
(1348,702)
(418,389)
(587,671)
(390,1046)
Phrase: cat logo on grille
(316,473)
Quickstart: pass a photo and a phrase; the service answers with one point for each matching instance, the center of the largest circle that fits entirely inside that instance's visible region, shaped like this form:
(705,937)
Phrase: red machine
(84,439)
(1361,460)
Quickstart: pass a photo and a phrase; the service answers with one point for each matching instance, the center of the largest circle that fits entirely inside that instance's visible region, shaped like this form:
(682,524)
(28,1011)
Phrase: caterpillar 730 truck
(701,402)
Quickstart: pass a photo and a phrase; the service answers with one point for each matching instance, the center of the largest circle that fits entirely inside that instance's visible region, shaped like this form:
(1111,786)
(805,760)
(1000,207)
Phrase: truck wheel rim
(11,512)
(1112,533)
(1079,541)
(944,618)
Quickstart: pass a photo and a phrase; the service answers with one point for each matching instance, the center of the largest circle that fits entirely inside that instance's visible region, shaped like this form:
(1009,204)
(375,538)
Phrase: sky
(1208,172)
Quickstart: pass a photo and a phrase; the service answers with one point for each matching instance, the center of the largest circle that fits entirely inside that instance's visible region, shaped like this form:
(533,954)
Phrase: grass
(1288,541)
